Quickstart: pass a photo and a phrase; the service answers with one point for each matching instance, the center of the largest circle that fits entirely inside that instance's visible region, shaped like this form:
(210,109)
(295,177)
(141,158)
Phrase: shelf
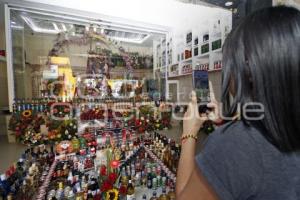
(2,58)
(179,75)
(202,55)
(202,43)
(215,70)
(173,75)
(217,50)
(187,60)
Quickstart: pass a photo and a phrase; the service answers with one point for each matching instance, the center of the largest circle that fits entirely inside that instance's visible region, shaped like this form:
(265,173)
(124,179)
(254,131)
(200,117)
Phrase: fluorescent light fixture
(229,3)
(131,40)
(35,28)
(64,27)
(17,27)
(55,26)
(126,36)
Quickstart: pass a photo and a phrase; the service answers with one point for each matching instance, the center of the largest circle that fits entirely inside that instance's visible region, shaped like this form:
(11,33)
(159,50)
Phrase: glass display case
(64,57)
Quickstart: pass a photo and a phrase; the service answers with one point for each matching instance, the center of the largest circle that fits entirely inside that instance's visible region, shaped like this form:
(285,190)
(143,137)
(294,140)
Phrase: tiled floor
(9,153)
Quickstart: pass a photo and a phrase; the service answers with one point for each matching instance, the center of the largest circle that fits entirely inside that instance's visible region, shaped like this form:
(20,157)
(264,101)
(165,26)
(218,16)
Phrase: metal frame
(167,67)
(9,60)
(76,15)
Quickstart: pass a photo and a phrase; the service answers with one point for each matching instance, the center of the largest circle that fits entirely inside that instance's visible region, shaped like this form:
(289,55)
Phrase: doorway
(173,91)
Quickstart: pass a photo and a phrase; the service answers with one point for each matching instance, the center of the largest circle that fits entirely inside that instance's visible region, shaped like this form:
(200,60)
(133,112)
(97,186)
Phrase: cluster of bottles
(69,182)
(23,179)
(141,171)
(111,100)
(92,140)
(38,105)
(166,149)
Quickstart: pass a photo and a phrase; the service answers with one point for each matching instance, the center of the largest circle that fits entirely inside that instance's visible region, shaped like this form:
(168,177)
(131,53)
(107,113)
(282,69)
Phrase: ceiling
(221,3)
(42,24)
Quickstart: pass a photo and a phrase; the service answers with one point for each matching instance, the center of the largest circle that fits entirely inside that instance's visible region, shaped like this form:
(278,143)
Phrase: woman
(256,157)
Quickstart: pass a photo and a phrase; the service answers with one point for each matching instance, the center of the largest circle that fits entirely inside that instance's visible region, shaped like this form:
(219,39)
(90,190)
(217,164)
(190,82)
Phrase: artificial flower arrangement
(108,175)
(26,126)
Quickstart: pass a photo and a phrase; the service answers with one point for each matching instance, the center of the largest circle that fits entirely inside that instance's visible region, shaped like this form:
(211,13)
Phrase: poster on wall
(51,72)
(201,85)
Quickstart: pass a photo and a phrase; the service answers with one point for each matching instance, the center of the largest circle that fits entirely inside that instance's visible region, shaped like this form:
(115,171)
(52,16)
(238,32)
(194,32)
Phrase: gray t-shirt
(239,163)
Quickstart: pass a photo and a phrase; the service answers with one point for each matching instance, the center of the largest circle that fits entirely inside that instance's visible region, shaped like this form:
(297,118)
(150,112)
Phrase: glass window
(56,57)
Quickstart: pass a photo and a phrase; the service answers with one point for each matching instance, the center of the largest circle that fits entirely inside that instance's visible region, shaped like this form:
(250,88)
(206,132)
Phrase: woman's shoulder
(231,160)
(235,134)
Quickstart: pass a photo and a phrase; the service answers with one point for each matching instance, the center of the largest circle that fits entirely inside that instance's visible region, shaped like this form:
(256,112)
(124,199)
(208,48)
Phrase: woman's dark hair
(261,59)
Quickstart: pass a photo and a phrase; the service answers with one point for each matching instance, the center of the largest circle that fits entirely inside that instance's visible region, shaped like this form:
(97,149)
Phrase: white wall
(170,13)
(294,3)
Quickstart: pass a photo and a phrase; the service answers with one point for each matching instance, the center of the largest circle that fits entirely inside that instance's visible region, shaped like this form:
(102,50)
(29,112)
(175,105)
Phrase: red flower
(138,122)
(18,133)
(106,186)
(123,190)
(141,129)
(112,178)
(103,170)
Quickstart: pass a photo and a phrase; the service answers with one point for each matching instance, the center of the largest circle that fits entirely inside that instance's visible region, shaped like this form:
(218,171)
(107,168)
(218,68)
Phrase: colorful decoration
(26,126)
(64,147)
(112,194)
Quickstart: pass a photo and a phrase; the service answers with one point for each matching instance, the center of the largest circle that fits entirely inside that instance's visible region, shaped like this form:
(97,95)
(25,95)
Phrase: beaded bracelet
(189,136)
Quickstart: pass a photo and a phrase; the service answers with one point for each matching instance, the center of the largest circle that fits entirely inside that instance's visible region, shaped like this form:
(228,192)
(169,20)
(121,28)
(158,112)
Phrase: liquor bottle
(60,191)
(137,180)
(164,181)
(159,180)
(71,195)
(10,196)
(89,195)
(70,178)
(23,105)
(149,181)
(144,179)
(171,194)
(130,191)
(4,186)
(19,105)
(164,196)
(14,106)
(154,183)
(154,196)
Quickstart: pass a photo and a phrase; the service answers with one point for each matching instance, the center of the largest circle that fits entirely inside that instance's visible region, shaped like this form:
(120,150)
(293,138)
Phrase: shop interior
(72,69)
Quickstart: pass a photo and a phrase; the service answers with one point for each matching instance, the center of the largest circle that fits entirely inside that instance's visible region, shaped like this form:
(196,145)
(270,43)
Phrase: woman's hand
(214,115)
(192,122)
